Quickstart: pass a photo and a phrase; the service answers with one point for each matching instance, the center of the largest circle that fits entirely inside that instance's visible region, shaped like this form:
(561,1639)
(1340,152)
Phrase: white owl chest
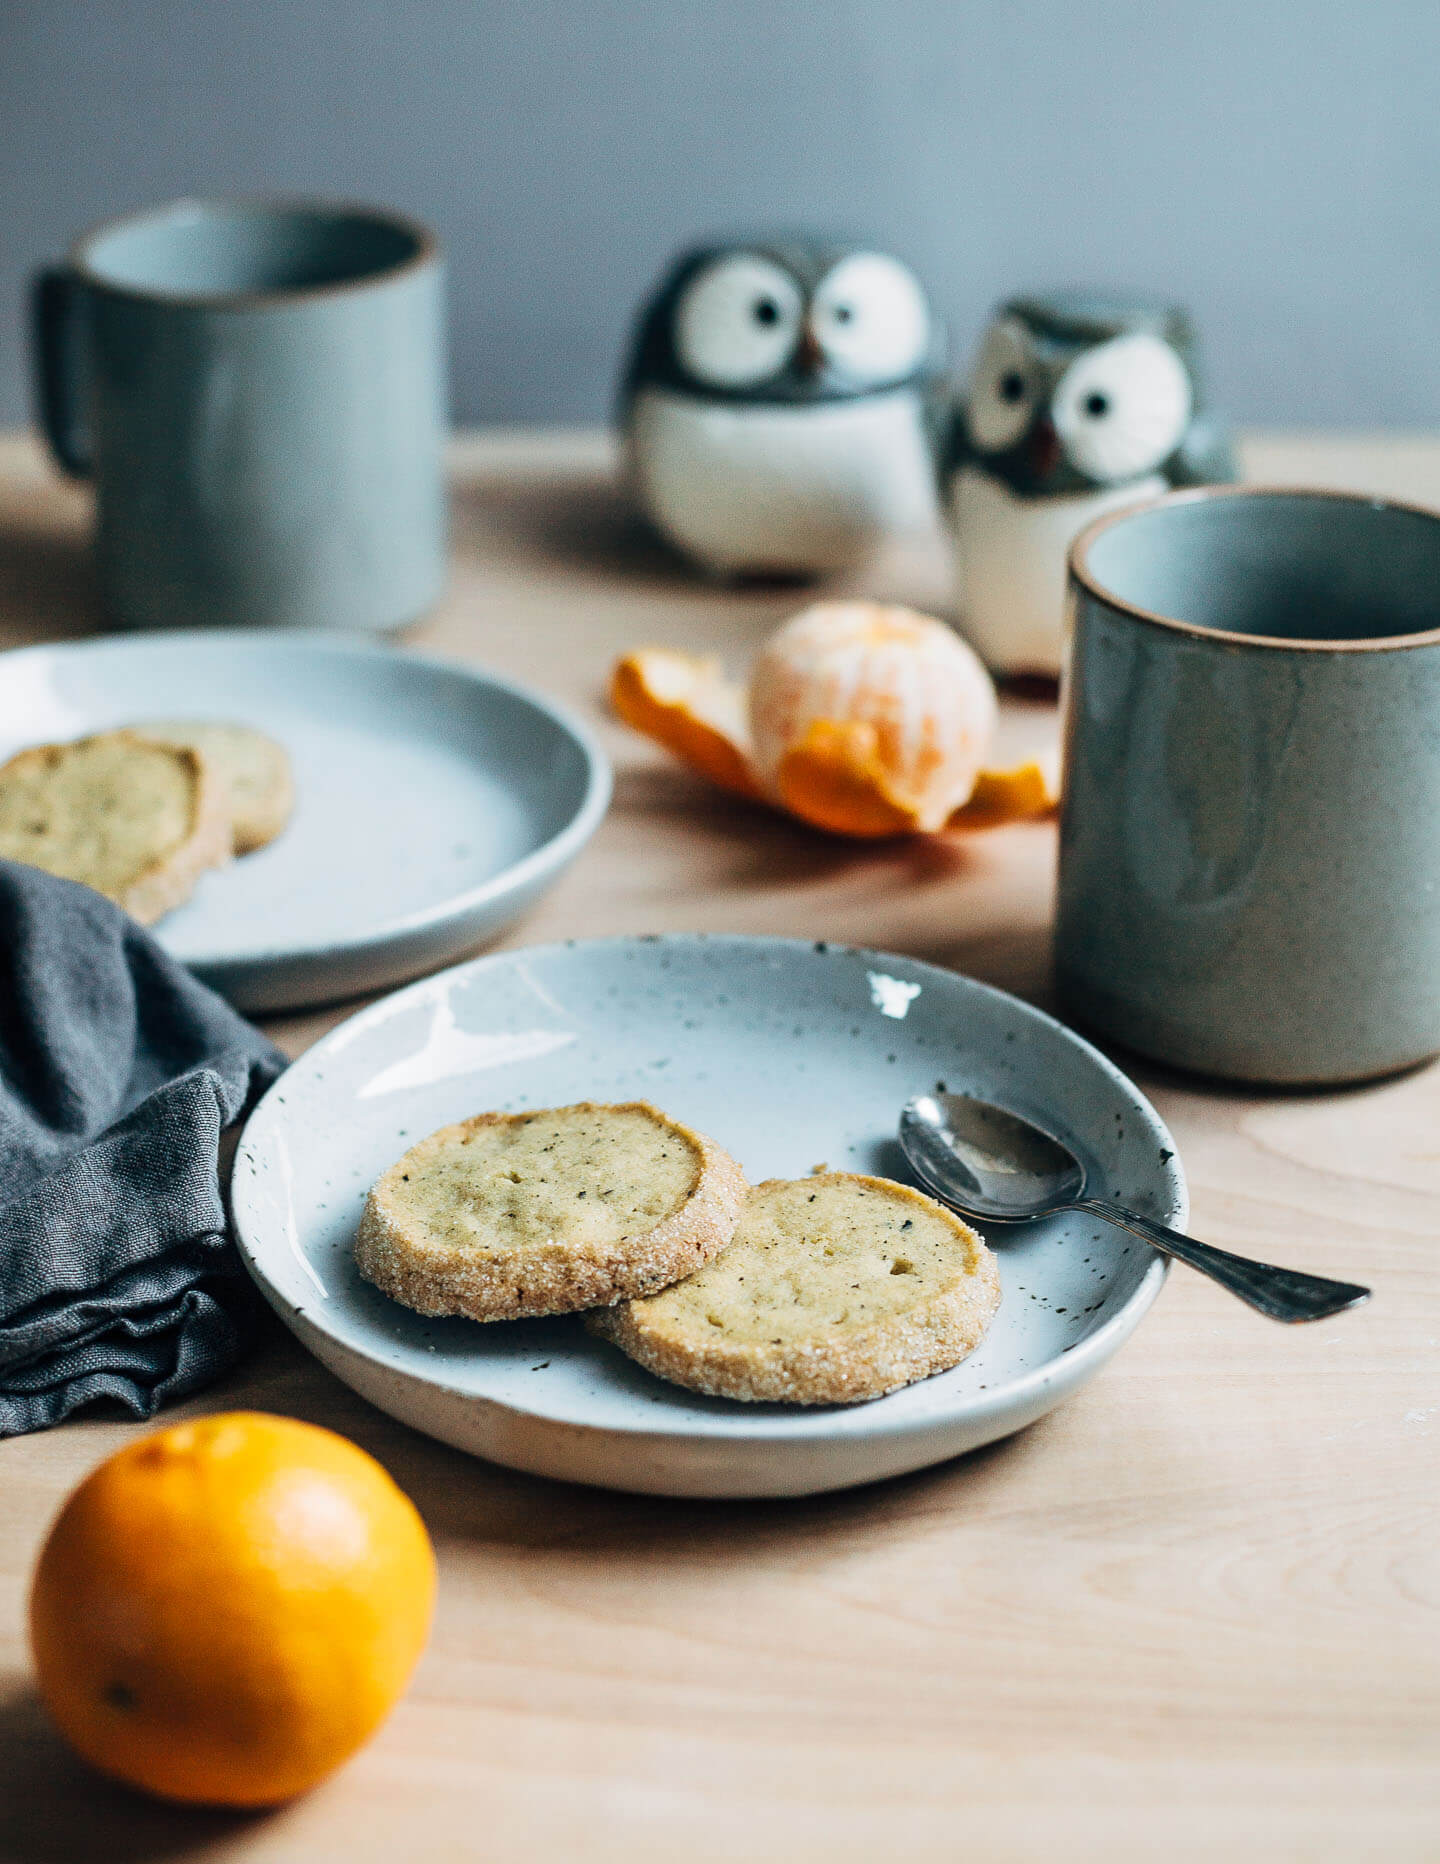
(783,489)
(1010,559)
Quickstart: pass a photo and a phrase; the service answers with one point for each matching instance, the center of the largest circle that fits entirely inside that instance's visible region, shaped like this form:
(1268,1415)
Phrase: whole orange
(225,1610)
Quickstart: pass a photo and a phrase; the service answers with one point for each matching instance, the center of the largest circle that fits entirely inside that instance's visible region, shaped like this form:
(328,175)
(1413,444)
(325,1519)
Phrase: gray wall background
(1275,163)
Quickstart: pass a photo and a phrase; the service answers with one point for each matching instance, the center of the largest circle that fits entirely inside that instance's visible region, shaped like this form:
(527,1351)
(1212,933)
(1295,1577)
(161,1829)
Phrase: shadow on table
(749,844)
(588,522)
(478,1505)
(52,1806)
(570,522)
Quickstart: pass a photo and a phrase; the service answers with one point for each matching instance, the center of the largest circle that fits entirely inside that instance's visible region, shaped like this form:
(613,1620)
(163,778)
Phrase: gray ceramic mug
(257,390)
(1250,834)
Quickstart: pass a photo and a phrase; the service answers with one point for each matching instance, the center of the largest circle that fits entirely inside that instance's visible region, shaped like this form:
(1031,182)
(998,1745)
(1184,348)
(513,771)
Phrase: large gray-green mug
(258,392)
(1250,830)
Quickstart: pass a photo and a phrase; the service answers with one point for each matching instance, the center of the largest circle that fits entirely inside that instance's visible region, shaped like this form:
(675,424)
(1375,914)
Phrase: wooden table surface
(1190,1614)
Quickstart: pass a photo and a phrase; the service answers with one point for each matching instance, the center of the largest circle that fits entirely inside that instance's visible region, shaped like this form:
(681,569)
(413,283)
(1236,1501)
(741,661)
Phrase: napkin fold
(119,1072)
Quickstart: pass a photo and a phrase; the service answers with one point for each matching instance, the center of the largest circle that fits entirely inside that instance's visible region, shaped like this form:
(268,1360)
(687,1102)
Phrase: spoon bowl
(1007,1169)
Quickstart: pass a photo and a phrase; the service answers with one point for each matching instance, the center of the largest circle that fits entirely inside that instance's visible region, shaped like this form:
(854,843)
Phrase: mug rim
(427,249)
(1084,577)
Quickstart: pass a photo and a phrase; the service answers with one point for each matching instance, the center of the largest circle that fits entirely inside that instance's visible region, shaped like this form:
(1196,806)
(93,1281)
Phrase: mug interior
(222,250)
(1280,566)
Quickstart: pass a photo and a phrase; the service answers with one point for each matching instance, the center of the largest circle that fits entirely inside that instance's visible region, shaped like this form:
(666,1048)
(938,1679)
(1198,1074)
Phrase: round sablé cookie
(510,1216)
(835,1288)
(254,769)
(136,820)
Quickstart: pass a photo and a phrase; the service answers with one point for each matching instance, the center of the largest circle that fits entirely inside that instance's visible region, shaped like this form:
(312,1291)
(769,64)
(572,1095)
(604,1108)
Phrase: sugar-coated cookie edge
(859,1364)
(562,1279)
(261,820)
(170,879)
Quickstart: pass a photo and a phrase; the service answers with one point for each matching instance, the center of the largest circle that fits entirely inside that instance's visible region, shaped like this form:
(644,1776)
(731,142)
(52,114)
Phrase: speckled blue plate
(791,1055)
(433,802)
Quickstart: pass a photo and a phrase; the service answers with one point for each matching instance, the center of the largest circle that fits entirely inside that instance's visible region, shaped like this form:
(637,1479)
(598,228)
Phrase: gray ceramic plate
(791,1055)
(433,802)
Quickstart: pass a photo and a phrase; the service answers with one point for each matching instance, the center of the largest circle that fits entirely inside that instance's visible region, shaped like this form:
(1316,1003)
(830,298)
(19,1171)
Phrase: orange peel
(1026,793)
(840,774)
(834,779)
(685,703)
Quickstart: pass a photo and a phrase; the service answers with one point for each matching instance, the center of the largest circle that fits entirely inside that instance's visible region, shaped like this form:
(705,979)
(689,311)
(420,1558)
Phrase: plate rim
(551,855)
(812,1425)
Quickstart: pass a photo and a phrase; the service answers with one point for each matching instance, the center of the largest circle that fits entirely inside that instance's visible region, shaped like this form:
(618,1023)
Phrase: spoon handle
(1283,1294)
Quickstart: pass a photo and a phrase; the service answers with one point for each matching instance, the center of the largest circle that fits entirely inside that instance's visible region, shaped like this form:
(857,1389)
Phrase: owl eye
(737,321)
(1122,408)
(1002,388)
(870,318)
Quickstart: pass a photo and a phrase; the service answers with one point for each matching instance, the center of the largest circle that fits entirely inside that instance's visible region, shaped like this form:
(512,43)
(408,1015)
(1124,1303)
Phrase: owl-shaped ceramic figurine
(780,405)
(1076,405)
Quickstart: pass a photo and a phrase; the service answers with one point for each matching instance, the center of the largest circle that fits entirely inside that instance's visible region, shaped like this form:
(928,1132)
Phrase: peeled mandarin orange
(226,1610)
(914,703)
(859,719)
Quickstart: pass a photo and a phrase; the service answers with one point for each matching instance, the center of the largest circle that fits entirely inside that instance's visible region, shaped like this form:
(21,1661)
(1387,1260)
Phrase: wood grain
(1192,1613)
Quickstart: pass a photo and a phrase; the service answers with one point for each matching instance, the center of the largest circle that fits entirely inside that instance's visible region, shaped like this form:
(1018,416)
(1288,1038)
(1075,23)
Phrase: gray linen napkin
(119,1072)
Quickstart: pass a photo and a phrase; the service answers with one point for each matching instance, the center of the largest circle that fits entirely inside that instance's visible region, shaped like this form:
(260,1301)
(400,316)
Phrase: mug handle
(56,309)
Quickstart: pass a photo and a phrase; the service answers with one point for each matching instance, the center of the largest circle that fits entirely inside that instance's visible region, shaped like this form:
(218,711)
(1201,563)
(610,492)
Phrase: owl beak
(808,354)
(1044,448)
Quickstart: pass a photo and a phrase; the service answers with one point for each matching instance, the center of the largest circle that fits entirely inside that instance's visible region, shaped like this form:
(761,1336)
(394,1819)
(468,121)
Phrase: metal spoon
(991,1164)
